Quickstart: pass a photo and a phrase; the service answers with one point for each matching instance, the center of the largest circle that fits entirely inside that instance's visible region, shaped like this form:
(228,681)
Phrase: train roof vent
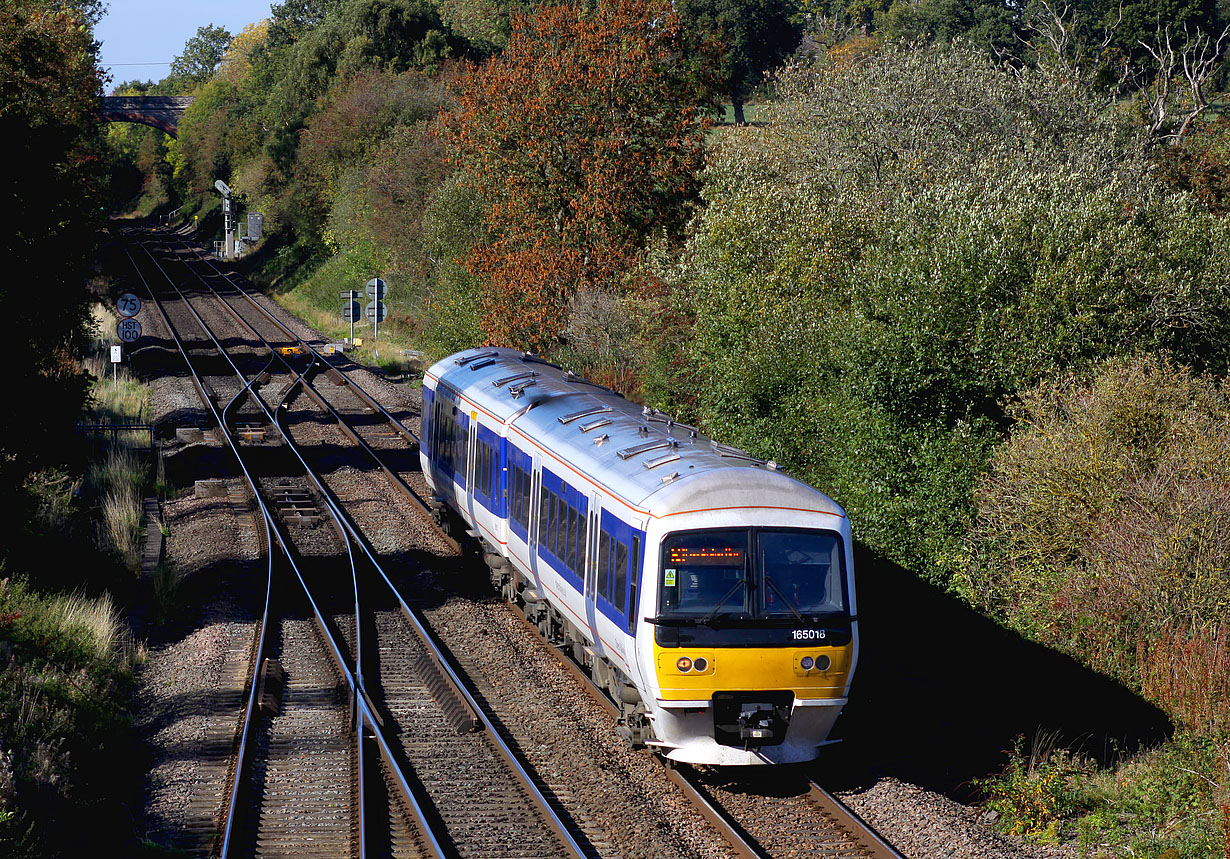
(486,362)
(519,388)
(735,453)
(466,359)
(661,460)
(528,374)
(674,475)
(531,358)
(584,413)
(656,416)
(594,424)
(602,439)
(629,452)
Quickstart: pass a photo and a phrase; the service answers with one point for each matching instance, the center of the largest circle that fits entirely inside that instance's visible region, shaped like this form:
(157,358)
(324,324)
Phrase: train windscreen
(752,572)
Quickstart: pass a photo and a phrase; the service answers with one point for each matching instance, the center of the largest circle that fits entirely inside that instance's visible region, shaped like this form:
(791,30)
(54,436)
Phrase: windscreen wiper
(789,603)
(708,618)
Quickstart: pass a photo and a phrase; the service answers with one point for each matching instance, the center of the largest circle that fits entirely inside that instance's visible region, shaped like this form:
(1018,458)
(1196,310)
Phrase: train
(710,594)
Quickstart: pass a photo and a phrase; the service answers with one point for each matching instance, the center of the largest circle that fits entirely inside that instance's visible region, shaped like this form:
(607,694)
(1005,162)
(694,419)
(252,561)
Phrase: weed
(1035,793)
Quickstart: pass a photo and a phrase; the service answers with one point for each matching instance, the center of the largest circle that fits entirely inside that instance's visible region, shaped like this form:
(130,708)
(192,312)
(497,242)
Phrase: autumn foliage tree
(585,136)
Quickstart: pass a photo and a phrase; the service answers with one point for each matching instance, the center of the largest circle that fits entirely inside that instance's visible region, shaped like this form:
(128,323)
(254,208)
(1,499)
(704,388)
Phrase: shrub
(1036,793)
(1201,164)
(1168,802)
(877,274)
(62,723)
(1101,524)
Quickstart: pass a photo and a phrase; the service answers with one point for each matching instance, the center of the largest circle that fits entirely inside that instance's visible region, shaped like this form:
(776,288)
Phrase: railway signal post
(228,218)
(351,309)
(377,289)
(127,305)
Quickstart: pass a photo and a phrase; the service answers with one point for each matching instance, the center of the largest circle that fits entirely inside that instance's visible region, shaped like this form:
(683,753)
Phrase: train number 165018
(808,634)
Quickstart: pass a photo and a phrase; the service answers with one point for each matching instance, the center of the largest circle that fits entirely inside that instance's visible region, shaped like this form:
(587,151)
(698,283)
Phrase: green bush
(1101,530)
(1035,794)
(876,274)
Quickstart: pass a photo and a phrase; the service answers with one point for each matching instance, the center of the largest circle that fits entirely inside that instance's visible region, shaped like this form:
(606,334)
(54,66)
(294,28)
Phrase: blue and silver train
(708,592)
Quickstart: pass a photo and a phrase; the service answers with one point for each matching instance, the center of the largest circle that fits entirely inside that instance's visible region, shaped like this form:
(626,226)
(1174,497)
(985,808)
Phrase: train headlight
(823,663)
(700,664)
(684,664)
(807,662)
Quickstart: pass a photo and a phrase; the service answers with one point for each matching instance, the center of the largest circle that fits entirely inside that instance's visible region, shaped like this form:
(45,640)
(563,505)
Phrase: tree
(757,35)
(585,136)
(50,85)
(912,238)
(201,56)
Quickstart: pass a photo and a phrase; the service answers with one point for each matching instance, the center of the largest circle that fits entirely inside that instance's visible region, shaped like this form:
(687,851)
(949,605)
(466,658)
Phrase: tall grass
(97,623)
(121,476)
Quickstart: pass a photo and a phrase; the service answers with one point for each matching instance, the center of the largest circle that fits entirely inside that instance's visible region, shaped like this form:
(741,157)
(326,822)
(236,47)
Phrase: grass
(317,300)
(68,665)
(122,475)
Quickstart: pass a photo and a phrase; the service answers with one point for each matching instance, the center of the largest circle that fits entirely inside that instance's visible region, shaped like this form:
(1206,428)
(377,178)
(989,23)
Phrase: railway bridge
(158,111)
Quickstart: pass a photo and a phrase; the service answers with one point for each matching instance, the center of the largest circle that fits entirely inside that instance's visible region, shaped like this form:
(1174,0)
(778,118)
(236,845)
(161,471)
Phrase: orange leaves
(584,136)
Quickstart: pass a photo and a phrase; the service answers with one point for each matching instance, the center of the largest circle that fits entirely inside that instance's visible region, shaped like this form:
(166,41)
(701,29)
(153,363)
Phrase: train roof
(640,455)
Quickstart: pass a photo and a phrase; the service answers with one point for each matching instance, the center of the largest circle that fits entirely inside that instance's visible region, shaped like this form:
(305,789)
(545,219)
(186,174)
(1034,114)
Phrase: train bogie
(710,594)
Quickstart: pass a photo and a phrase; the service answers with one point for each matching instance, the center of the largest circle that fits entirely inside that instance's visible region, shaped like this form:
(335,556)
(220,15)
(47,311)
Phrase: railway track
(761,814)
(302,777)
(399,691)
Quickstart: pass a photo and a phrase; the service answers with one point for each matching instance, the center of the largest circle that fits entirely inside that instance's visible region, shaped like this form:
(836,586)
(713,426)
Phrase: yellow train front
(752,638)
(708,592)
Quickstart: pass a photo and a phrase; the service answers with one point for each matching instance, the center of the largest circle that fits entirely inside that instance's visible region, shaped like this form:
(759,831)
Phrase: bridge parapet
(159,111)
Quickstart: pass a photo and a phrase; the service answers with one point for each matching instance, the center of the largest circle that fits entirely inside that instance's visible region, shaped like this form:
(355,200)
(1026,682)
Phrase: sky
(140,37)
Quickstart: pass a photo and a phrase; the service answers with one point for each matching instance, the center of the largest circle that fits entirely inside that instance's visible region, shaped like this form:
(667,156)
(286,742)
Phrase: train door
(535,516)
(471,452)
(591,569)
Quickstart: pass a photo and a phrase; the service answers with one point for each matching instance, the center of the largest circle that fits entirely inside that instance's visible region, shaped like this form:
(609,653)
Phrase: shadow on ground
(941,693)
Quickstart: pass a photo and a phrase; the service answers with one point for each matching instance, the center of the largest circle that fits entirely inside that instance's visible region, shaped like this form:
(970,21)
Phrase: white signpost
(351,311)
(228,218)
(117,355)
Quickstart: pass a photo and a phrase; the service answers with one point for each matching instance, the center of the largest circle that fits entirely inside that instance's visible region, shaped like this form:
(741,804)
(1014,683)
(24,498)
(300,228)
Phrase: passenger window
(542,513)
(553,524)
(604,561)
(581,544)
(621,576)
(572,539)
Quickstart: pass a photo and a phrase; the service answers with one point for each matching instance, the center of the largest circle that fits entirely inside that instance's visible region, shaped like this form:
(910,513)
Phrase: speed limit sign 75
(128,305)
(129,330)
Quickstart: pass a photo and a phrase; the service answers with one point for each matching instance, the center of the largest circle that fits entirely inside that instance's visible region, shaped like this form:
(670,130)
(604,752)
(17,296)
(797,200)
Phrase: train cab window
(752,573)
(800,572)
(705,572)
